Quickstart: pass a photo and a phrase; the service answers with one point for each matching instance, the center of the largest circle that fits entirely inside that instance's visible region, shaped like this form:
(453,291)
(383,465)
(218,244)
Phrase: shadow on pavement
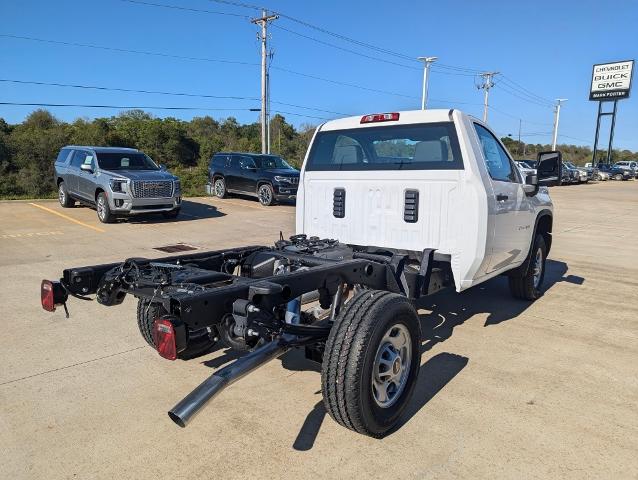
(191,210)
(449,309)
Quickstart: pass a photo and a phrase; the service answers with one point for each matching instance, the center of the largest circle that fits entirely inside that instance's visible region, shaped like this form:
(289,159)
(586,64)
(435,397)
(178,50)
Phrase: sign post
(609,82)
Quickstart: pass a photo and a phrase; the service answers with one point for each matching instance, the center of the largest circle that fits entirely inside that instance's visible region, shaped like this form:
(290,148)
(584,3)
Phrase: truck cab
(427,179)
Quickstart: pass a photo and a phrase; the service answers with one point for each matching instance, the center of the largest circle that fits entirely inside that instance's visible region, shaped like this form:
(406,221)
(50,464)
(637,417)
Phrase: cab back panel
(374,208)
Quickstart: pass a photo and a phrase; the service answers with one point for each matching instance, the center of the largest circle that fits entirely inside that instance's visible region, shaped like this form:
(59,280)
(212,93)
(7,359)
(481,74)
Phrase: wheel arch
(99,190)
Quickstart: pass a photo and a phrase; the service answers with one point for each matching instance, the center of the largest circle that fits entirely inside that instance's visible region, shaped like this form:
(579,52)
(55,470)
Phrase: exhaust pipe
(188,407)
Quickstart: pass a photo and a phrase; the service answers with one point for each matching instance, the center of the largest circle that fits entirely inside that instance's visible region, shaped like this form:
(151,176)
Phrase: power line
(202,59)
(188,9)
(332,45)
(507,89)
(308,37)
(125,50)
(520,87)
(320,29)
(127,90)
(158,92)
(147,107)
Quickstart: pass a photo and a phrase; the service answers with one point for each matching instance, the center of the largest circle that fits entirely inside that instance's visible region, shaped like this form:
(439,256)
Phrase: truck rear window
(430,146)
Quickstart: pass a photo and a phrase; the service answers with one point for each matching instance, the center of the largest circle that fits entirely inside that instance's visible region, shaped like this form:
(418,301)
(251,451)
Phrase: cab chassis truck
(391,207)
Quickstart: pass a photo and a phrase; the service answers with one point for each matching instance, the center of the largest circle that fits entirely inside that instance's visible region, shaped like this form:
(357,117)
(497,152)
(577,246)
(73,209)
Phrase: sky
(543,49)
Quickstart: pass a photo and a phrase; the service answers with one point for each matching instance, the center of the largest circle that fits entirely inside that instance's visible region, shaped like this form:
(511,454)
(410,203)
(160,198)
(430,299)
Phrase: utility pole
(427,63)
(556,118)
(520,124)
(486,85)
(263,22)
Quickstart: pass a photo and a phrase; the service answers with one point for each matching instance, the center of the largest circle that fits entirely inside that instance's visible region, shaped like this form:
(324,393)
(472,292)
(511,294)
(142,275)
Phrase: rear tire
(371,362)
(63,196)
(146,315)
(219,188)
(527,285)
(104,214)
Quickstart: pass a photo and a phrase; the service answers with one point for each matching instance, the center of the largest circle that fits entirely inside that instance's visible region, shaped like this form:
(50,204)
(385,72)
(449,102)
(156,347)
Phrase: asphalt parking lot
(507,389)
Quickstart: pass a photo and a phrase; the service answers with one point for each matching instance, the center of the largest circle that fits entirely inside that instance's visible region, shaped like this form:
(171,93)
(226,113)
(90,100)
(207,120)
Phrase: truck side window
(497,160)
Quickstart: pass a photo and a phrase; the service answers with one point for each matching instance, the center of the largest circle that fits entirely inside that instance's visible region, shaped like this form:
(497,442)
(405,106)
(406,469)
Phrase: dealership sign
(611,81)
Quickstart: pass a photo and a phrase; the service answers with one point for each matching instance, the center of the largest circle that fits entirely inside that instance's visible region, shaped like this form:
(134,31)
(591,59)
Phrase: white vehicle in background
(527,167)
(391,207)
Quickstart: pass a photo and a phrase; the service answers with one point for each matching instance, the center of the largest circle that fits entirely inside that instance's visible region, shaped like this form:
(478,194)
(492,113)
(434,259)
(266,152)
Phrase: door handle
(501,198)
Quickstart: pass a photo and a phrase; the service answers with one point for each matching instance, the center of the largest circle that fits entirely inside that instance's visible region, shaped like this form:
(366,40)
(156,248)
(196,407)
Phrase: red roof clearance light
(164,338)
(380,117)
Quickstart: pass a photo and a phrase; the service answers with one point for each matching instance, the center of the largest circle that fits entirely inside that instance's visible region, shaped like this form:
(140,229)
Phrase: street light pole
(559,101)
(427,63)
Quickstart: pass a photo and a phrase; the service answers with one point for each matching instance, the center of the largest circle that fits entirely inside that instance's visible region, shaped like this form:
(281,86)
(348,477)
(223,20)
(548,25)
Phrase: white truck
(391,207)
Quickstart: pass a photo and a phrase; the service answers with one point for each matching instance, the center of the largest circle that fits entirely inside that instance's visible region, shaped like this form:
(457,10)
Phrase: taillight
(380,117)
(52,294)
(164,338)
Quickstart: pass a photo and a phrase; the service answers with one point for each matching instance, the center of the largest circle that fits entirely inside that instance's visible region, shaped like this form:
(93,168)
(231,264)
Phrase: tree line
(28,149)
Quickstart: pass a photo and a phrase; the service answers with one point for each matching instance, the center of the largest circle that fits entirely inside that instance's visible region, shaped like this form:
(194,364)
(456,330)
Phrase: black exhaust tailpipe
(188,407)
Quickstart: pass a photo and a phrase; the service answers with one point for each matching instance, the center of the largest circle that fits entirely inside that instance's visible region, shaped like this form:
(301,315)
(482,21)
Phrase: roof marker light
(380,117)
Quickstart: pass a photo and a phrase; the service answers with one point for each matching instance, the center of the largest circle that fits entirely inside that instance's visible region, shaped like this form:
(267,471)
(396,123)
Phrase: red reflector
(46,296)
(380,117)
(164,338)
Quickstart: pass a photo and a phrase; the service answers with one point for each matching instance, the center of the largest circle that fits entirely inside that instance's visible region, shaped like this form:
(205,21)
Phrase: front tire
(618,176)
(527,285)
(266,194)
(63,196)
(104,214)
(371,362)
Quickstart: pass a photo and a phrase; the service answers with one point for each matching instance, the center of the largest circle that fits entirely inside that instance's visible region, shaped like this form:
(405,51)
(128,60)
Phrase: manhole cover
(179,247)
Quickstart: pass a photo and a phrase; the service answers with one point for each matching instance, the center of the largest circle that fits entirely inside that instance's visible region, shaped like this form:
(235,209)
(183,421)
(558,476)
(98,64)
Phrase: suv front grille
(152,188)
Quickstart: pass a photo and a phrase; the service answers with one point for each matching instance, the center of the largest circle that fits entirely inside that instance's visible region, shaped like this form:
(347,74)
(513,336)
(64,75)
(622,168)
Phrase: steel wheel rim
(391,366)
(538,267)
(265,196)
(61,194)
(101,208)
(219,188)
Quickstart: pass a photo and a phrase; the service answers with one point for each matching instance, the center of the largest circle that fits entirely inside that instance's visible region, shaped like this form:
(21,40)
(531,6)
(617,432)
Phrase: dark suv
(267,177)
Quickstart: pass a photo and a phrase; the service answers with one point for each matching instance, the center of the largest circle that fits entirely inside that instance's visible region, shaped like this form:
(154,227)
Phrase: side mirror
(87,167)
(162,167)
(530,187)
(549,168)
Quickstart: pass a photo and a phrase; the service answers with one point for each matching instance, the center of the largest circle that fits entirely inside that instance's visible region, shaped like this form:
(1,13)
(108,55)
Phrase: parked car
(616,173)
(570,174)
(267,177)
(581,174)
(116,181)
(601,176)
(630,165)
(526,167)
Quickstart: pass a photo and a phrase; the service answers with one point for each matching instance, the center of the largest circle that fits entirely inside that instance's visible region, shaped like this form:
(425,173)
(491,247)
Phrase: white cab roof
(405,118)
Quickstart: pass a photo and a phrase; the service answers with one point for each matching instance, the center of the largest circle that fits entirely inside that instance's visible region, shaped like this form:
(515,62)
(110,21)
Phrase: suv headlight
(279,178)
(117,184)
(177,187)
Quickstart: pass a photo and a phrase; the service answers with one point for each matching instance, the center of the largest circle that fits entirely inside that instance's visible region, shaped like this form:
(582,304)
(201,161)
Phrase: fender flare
(545,213)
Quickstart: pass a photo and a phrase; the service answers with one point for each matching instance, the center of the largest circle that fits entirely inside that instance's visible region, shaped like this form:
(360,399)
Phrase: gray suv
(116,181)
